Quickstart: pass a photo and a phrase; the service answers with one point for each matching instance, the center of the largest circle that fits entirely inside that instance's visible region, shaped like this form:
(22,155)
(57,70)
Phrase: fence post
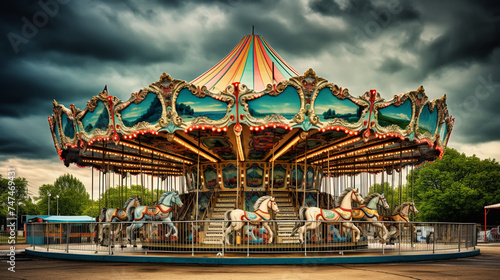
(400,235)
(459,236)
(305,242)
(223,237)
(98,234)
(474,234)
(193,234)
(248,240)
(47,232)
(109,241)
(434,238)
(33,235)
(67,237)
(412,225)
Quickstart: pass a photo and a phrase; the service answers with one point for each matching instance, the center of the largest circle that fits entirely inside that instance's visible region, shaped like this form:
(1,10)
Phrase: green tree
(19,194)
(456,188)
(116,198)
(73,198)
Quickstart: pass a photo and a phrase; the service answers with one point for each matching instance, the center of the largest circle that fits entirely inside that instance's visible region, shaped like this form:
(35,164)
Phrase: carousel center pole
(304,183)
(296,179)
(329,178)
(198,178)
(92,187)
(272,170)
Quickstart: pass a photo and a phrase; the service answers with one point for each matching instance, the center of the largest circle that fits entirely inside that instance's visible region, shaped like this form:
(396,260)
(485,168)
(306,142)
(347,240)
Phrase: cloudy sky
(68,50)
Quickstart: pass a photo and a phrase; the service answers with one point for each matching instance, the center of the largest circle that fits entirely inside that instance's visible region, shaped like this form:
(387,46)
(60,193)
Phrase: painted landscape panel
(328,107)
(229,176)
(255,176)
(427,121)
(97,119)
(210,176)
(149,110)
(189,107)
(67,126)
(279,176)
(286,104)
(399,115)
(297,176)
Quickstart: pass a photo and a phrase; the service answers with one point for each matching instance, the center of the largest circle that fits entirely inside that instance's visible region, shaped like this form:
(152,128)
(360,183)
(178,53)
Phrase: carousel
(250,139)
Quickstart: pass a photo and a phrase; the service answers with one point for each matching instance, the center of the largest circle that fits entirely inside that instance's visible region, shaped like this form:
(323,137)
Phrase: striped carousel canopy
(250,63)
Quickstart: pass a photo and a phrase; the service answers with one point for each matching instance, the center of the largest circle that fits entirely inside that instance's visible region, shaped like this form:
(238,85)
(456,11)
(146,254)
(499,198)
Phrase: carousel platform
(259,259)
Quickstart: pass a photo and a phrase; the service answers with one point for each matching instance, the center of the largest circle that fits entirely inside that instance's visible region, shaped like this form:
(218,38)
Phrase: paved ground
(484,266)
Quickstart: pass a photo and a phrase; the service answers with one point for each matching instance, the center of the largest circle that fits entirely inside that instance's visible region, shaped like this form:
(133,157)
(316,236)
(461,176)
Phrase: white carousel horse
(113,219)
(162,211)
(235,219)
(369,212)
(315,215)
(400,214)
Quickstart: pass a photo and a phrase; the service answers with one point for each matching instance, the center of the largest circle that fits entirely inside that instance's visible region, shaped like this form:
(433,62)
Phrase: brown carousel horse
(369,213)
(400,214)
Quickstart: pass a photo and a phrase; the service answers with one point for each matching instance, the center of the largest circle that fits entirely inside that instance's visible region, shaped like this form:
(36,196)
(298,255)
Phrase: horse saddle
(156,210)
(120,214)
(255,216)
(385,219)
(358,213)
(335,214)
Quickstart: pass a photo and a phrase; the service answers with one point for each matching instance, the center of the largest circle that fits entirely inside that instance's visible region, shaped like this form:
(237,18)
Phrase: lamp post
(57,199)
(48,204)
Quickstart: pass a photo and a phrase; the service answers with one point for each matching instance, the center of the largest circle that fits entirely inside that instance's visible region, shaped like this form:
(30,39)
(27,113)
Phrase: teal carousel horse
(113,219)
(160,212)
(235,219)
(315,215)
(369,213)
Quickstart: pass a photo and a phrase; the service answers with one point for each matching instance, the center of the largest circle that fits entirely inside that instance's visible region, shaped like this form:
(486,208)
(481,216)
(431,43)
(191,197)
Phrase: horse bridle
(355,193)
(270,203)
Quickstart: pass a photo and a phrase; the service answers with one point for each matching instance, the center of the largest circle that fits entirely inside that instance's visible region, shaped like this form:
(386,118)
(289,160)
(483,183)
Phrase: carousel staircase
(287,212)
(214,233)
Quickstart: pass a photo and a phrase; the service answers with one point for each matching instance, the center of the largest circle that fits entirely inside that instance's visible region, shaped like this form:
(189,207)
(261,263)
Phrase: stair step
(215,228)
(286,234)
(224,205)
(227,199)
(217,217)
(286,214)
(222,209)
(287,228)
(212,241)
(216,225)
(290,241)
(286,209)
(286,224)
(214,234)
(227,194)
(280,194)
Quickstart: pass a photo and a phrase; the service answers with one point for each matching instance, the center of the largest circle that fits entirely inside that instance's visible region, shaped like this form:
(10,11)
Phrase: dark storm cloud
(471,35)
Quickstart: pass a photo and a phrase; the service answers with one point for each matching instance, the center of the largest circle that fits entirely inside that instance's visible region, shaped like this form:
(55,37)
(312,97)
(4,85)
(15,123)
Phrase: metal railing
(8,237)
(198,237)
